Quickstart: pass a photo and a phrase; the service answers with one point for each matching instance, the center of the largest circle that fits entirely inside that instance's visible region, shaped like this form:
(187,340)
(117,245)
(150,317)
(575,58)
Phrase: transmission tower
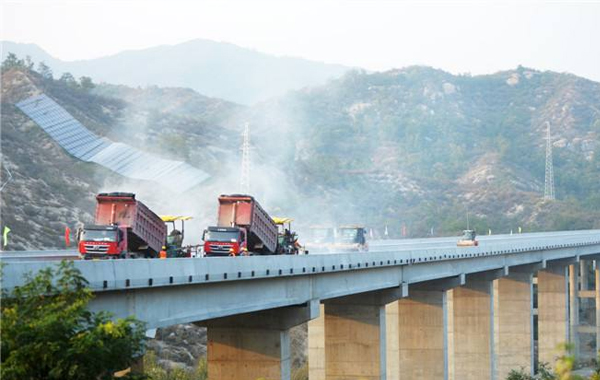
(245,177)
(549,180)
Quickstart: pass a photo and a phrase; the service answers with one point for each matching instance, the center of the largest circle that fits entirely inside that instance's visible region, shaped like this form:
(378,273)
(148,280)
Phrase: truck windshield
(222,236)
(348,235)
(99,235)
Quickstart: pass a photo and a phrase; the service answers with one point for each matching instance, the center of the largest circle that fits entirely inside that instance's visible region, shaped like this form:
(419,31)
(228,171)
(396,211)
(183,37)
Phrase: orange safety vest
(162,254)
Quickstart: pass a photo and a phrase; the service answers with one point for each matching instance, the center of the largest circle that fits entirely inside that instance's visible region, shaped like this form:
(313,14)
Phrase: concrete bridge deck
(423,309)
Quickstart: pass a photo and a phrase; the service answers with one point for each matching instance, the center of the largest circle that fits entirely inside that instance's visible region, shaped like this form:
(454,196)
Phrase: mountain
(414,149)
(51,190)
(215,69)
(421,147)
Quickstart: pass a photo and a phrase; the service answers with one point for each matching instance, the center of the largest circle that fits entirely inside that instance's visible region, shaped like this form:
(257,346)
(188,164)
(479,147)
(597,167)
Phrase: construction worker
(163,253)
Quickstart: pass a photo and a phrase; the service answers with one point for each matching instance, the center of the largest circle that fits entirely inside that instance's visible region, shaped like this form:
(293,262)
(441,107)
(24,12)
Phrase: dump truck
(350,238)
(468,239)
(123,228)
(243,228)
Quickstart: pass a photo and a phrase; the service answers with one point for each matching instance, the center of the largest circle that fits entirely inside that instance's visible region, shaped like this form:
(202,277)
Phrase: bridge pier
(254,345)
(421,335)
(349,340)
(354,341)
(316,346)
(470,326)
(574,307)
(597,299)
(553,313)
(513,324)
(417,336)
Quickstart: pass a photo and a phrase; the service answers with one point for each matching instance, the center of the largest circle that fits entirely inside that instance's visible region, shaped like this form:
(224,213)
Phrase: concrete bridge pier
(254,345)
(470,328)
(597,301)
(349,340)
(553,311)
(417,334)
(513,323)
(574,307)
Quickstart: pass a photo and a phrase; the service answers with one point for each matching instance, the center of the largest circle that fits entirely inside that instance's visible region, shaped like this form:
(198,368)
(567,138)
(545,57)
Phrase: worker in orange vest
(163,253)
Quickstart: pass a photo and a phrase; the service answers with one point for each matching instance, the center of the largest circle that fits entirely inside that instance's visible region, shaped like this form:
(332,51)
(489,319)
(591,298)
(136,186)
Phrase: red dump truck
(243,228)
(124,227)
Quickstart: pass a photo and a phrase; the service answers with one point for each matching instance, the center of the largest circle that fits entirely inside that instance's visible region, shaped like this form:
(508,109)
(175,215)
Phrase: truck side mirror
(204,235)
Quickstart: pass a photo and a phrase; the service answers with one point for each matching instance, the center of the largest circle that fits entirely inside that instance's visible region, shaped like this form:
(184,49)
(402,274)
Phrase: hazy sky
(476,37)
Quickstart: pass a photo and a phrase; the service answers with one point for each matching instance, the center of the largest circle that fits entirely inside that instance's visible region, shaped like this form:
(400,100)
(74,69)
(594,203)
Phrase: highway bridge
(407,309)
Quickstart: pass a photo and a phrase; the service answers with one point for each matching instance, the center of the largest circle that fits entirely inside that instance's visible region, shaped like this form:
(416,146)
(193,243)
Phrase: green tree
(68,79)
(48,332)
(44,70)
(12,61)
(28,63)
(86,83)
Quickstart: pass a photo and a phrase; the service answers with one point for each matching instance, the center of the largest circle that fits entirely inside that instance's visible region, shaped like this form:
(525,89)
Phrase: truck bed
(146,227)
(245,211)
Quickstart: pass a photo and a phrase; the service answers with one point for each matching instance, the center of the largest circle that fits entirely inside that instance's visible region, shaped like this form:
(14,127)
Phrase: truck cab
(351,238)
(97,241)
(225,241)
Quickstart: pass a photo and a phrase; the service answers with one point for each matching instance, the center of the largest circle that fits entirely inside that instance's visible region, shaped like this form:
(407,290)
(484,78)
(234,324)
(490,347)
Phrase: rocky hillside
(415,147)
(419,146)
(51,190)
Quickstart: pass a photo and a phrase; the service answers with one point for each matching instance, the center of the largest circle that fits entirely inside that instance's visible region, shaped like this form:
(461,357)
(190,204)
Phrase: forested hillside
(51,190)
(415,147)
(420,146)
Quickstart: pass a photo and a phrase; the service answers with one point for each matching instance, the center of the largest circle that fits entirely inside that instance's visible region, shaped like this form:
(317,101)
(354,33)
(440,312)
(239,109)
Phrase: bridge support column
(354,336)
(242,353)
(470,338)
(421,336)
(255,345)
(553,314)
(574,307)
(316,346)
(513,323)
(597,298)
(354,342)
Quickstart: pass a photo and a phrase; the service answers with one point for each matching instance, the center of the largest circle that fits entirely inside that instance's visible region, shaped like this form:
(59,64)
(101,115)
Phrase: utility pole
(245,177)
(549,178)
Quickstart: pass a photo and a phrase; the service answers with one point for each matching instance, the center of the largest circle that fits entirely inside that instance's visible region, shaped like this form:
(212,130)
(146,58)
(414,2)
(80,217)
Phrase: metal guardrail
(140,273)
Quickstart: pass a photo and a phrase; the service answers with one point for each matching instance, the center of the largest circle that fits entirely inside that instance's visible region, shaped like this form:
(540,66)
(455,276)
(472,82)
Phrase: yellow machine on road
(287,240)
(468,239)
